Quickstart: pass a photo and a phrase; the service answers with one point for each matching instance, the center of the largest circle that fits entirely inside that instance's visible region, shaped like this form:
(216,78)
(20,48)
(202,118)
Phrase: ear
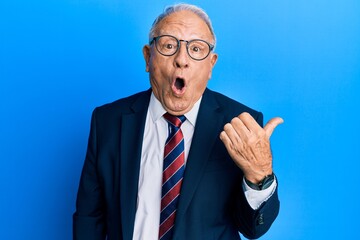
(146,53)
(213,60)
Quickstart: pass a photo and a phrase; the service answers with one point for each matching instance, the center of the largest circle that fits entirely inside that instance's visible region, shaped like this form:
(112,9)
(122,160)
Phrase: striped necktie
(173,170)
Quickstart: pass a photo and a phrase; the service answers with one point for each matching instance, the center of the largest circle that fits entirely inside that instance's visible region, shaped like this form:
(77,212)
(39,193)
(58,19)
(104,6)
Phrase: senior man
(177,161)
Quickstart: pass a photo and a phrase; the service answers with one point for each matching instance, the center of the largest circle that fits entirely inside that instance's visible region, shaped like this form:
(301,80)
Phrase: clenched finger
(232,144)
(240,128)
(232,134)
(250,122)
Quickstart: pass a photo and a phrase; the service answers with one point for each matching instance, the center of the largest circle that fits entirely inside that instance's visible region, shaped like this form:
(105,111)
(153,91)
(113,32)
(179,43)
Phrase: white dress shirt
(147,216)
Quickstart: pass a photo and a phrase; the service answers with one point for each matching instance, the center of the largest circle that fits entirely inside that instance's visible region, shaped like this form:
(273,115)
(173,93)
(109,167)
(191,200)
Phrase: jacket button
(260,219)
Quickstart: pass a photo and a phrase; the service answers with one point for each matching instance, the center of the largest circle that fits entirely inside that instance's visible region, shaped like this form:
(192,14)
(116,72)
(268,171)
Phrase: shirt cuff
(256,197)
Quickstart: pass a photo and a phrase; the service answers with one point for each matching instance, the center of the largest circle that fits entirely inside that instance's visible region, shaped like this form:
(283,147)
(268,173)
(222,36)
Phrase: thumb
(271,125)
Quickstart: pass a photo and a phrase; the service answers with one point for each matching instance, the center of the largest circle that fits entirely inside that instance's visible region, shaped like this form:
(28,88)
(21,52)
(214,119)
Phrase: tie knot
(175,120)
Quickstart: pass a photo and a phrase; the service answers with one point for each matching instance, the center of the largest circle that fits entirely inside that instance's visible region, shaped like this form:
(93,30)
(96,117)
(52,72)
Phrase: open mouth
(179,86)
(179,83)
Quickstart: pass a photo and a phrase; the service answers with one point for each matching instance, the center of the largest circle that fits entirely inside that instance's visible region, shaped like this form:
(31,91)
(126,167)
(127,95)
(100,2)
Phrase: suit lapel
(132,129)
(208,123)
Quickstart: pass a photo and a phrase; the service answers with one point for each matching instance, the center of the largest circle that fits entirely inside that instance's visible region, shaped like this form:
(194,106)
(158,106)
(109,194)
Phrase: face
(179,81)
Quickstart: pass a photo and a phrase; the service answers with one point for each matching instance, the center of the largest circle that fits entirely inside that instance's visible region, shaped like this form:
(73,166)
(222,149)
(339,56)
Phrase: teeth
(179,83)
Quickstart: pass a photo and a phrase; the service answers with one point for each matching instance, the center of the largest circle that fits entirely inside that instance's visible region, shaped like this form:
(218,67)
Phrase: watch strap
(263,184)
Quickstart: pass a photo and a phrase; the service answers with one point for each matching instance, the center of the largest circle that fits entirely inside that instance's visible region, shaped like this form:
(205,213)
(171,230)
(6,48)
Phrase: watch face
(268,180)
(264,184)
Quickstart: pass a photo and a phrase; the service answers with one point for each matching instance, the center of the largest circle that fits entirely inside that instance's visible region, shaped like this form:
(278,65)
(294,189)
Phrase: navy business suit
(212,204)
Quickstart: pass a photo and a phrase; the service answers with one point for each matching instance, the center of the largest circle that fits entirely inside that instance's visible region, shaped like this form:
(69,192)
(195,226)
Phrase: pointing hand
(248,144)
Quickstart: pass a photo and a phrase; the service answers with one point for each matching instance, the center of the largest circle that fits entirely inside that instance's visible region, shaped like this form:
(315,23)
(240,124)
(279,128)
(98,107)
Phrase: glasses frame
(154,39)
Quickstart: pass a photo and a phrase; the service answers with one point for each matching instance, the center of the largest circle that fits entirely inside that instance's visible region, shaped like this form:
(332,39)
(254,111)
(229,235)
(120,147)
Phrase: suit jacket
(212,204)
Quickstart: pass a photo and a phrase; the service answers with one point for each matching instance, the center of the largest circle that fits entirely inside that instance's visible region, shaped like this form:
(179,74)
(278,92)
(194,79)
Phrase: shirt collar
(156,110)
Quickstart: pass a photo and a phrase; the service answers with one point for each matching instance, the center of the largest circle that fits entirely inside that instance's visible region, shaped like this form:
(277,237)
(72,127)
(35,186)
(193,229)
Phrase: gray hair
(181,7)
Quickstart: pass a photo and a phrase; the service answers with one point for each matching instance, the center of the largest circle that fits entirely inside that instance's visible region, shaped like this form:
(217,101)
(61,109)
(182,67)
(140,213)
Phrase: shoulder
(230,107)
(228,104)
(125,105)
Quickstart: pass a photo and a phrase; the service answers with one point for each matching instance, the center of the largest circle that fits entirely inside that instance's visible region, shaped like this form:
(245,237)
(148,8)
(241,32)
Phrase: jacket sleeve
(89,218)
(255,223)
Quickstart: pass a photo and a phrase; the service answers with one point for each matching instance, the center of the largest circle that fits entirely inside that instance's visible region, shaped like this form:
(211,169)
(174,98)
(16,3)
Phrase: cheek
(209,68)
(204,75)
(202,85)
(157,66)
(157,79)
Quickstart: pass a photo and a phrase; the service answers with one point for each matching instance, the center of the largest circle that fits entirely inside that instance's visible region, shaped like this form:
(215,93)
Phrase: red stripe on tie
(170,195)
(167,225)
(173,167)
(173,142)
(173,119)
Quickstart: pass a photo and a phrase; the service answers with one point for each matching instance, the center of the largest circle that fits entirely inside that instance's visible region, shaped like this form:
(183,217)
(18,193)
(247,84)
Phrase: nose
(182,58)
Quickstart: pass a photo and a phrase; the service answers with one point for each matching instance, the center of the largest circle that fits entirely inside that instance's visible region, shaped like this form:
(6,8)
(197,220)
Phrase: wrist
(262,184)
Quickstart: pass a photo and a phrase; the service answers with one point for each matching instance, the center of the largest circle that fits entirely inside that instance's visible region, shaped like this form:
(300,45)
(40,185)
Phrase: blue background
(296,59)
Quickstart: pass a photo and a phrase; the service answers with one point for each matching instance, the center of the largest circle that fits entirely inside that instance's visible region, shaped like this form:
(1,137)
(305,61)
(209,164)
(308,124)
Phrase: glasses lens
(198,49)
(167,45)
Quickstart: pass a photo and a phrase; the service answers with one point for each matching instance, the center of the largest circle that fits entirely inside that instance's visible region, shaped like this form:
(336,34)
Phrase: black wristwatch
(264,184)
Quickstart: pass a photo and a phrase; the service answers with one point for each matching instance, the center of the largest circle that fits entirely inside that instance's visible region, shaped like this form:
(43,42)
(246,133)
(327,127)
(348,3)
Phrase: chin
(180,109)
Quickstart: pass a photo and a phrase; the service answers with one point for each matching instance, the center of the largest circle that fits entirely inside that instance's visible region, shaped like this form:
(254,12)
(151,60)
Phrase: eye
(169,46)
(195,49)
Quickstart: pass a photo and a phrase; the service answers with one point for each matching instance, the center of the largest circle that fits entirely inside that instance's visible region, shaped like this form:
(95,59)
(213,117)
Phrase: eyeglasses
(168,45)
